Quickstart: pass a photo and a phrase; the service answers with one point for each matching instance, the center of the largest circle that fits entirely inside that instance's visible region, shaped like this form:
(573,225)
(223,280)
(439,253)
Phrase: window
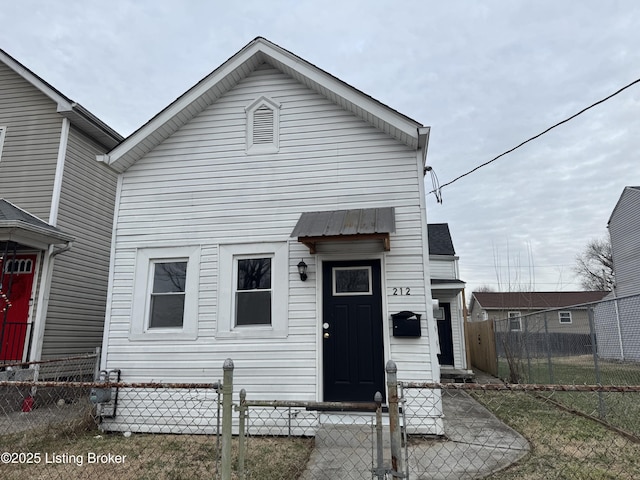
(564,317)
(263,126)
(253,281)
(352,281)
(253,291)
(165,294)
(515,322)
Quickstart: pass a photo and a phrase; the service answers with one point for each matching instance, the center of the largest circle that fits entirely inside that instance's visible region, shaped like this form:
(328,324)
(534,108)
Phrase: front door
(16,280)
(445,335)
(353,348)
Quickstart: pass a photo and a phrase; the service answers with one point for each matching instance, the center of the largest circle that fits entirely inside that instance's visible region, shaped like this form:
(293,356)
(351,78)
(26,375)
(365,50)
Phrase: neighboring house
(518,306)
(624,231)
(447,288)
(266,166)
(618,321)
(56,211)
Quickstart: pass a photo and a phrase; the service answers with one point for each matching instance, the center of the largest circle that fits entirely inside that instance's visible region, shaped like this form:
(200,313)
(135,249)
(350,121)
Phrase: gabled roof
(440,242)
(257,52)
(534,300)
(626,192)
(21,227)
(76,113)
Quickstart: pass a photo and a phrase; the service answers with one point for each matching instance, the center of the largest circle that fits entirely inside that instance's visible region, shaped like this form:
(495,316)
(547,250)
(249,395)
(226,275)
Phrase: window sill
(163,334)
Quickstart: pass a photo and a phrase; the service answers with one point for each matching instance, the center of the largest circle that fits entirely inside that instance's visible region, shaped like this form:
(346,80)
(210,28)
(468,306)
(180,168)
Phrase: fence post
(394,419)
(227,417)
(242,409)
(548,343)
(594,349)
(380,472)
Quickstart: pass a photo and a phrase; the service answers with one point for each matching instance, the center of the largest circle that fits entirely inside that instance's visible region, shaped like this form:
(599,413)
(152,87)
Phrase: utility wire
(437,190)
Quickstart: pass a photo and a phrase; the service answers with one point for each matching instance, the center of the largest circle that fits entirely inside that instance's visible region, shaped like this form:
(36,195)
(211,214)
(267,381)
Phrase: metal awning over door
(349,225)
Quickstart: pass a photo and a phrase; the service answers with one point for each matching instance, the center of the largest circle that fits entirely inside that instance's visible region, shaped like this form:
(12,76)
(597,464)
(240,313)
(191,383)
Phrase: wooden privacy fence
(481,339)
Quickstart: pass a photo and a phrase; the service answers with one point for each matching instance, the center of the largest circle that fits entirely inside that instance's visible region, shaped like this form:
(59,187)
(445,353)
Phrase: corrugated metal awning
(354,224)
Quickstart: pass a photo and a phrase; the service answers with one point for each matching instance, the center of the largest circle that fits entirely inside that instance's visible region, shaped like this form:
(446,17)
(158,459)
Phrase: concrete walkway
(476,444)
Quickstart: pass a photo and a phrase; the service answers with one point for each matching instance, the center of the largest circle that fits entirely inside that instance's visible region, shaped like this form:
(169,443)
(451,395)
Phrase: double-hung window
(165,294)
(515,322)
(253,291)
(564,317)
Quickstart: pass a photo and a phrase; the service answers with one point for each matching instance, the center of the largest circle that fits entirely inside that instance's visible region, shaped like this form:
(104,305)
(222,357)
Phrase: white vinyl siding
(200,183)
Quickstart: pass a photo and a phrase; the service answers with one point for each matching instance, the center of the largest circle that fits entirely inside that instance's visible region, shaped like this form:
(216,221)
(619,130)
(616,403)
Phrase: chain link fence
(596,343)
(78,430)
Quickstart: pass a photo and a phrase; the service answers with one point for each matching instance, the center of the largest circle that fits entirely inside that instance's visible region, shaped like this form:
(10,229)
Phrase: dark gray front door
(353,349)
(445,336)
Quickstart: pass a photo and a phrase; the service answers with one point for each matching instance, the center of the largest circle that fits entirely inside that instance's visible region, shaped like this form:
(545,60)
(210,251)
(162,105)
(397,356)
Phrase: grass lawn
(576,370)
(144,457)
(619,409)
(563,445)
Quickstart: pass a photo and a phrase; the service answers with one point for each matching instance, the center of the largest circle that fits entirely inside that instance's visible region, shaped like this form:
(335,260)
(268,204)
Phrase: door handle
(326,335)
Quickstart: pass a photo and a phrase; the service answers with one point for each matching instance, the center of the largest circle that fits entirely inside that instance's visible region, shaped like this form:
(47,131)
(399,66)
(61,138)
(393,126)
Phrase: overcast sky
(485,75)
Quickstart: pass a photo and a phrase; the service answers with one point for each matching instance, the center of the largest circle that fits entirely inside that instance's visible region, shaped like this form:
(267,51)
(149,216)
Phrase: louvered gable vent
(263,125)
(263,122)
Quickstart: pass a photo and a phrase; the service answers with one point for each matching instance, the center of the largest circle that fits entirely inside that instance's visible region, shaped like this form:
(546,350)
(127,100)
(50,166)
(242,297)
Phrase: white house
(266,165)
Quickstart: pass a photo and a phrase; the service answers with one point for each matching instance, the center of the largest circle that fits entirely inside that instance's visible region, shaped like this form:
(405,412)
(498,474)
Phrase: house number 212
(401,291)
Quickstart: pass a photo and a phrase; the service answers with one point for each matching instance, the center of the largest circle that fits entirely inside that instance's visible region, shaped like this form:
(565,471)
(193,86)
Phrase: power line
(438,189)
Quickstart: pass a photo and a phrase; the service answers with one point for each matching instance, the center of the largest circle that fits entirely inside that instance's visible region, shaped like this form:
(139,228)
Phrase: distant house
(275,215)
(447,288)
(56,212)
(516,306)
(618,321)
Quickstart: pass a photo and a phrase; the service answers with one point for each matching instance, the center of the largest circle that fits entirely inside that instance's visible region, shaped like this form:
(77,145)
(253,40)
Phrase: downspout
(49,255)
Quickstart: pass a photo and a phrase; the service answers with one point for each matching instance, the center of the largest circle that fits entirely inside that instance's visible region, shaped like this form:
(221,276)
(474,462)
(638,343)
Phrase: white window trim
(515,315)
(263,147)
(3,131)
(145,261)
(560,317)
(228,254)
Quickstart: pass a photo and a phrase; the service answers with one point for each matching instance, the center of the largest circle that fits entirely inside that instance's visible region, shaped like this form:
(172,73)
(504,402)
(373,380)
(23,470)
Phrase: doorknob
(326,335)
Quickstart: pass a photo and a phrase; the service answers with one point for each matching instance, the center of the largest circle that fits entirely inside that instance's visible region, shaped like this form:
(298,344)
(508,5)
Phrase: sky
(484,75)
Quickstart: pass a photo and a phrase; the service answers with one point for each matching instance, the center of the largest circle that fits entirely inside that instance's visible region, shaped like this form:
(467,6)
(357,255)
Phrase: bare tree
(594,266)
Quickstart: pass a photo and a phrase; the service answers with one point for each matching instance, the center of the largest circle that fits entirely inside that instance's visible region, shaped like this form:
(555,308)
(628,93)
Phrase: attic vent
(263,125)
(263,122)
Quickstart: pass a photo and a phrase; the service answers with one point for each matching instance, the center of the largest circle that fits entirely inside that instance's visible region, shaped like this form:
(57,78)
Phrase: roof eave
(32,235)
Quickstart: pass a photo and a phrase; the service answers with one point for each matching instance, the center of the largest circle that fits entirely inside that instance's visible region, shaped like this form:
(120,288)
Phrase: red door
(15,298)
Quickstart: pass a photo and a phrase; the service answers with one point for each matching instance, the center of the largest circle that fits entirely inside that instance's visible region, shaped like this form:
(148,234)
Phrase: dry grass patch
(66,450)
(563,445)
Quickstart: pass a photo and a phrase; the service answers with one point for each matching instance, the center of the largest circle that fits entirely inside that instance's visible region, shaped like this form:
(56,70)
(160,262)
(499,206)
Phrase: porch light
(302,270)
